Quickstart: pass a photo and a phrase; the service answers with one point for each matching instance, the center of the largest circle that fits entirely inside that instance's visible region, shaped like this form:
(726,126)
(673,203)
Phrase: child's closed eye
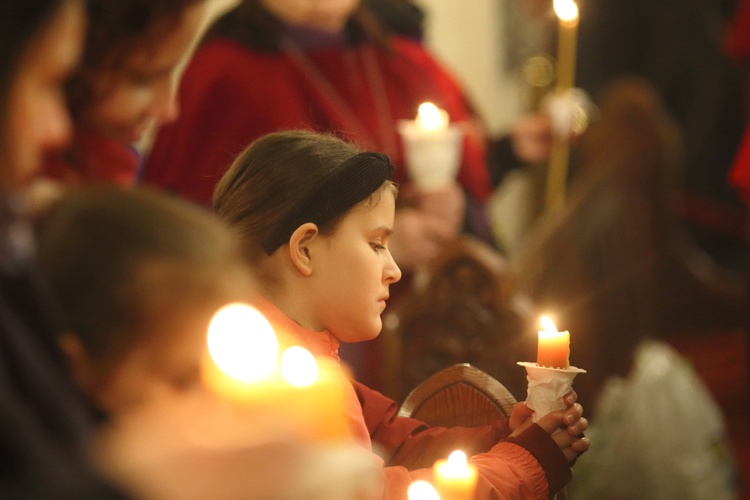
(377,246)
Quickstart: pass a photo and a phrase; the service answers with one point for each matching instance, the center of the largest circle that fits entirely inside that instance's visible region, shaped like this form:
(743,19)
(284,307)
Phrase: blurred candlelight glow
(242,343)
(457,461)
(422,490)
(566,10)
(431,117)
(299,367)
(455,478)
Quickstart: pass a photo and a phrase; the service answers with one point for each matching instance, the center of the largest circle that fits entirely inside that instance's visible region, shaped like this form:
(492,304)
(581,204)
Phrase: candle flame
(431,117)
(548,325)
(422,490)
(242,343)
(298,366)
(457,459)
(566,10)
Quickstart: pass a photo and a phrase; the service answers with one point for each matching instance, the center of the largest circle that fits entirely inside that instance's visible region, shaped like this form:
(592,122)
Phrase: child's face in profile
(144,89)
(354,269)
(165,357)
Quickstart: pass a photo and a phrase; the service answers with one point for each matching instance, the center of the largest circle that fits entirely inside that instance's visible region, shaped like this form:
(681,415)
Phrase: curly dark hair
(116,29)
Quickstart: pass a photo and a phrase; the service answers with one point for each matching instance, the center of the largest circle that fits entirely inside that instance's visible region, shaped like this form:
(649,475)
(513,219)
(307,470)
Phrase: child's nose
(392,271)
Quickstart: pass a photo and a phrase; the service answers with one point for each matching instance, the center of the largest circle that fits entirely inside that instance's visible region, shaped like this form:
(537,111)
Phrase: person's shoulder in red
(229,96)
(93,158)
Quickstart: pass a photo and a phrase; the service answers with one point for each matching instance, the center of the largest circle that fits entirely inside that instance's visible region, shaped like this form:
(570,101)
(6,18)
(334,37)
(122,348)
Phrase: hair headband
(355,179)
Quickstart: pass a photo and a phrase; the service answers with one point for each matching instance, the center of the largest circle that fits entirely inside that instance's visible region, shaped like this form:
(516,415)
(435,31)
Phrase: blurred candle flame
(431,117)
(298,366)
(242,343)
(457,460)
(566,10)
(422,490)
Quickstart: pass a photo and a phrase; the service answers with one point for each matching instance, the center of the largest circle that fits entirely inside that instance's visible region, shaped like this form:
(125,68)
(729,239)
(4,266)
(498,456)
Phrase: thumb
(520,418)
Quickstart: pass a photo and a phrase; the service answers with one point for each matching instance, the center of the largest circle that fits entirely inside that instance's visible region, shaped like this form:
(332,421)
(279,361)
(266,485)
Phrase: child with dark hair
(316,216)
(127,79)
(137,277)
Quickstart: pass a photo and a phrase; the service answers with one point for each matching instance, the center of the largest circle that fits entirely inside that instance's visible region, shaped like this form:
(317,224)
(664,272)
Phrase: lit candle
(455,478)
(567,14)
(432,147)
(422,490)
(554,347)
(294,393)
(430,117)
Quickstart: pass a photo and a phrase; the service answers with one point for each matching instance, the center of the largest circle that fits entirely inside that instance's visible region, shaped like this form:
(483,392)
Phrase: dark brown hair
(119,260)
(274,176)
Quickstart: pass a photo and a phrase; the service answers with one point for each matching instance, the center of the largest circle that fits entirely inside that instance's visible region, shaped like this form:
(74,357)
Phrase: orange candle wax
(455,478)
(553,349)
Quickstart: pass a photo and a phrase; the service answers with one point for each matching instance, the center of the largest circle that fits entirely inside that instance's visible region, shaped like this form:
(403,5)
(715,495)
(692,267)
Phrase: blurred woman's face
(328,15)
(37,116)
(143,89)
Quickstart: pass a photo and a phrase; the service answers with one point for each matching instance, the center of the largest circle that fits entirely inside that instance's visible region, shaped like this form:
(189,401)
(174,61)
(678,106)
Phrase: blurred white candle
(432,147)
(455,478)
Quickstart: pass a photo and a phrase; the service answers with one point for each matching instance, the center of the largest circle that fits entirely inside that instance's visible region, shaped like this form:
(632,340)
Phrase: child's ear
(299,247)
(78,360)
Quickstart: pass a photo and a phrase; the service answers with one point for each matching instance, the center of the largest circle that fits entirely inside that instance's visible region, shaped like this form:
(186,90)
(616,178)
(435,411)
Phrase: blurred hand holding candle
(551,377)
(455,478)
(293,394)
(432,147)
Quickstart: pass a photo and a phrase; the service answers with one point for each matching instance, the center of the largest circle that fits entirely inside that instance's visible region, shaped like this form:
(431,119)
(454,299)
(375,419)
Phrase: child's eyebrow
(383,229)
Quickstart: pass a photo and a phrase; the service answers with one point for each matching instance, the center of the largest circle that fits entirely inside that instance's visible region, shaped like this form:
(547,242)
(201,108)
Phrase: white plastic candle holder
(433,156)
(547,386)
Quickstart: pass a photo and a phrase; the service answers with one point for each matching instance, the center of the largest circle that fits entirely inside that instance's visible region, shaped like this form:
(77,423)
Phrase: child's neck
(295,308)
